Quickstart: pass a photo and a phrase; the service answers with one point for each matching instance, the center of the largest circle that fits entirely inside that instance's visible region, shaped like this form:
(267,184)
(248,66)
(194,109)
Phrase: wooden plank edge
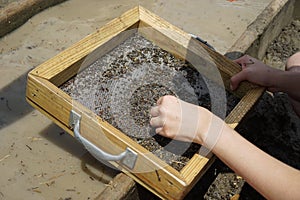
(17,13)
(92,57)
(185,47)
(164,172)
(68,130)
(49,116)
(121,187)
(130,174)
(235,116)
(191,175)
(119,193)
(79,50)
(188,171)
(245,104)
(164,195)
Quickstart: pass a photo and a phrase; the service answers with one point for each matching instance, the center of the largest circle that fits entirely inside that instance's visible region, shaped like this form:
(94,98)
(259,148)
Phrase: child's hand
(176,119)
(256,72)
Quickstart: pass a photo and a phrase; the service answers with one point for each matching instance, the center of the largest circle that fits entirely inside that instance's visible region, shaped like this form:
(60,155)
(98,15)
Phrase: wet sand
(39,161)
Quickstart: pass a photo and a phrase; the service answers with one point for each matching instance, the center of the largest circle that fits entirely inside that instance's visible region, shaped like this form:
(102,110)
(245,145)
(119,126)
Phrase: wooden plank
(45,96)
(165,194)
(121,187)
(44,112)
(196,168)
(89,59)
(179,43)
(67,63)
(17,13)
(154,174)
(243,107)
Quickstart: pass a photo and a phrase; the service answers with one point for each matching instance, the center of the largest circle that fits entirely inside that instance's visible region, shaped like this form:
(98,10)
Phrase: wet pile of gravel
(285,45)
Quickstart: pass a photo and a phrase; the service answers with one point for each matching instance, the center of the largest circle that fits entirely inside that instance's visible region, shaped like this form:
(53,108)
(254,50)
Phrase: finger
(244,61)
(241,59)
(243,65)
(156,122)
(159,130)
(154,112)
(159,101)
(236,79)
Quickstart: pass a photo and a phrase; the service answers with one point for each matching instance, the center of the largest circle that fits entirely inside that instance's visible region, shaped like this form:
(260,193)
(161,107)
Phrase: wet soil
(287,43)
(122,86)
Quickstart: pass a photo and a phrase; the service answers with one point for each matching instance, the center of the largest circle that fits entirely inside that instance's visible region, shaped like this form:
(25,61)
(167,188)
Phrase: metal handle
(128,157)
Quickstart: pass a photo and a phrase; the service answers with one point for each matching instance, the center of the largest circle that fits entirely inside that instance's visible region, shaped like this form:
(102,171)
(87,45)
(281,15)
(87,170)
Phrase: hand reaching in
(256,72)
(176,119)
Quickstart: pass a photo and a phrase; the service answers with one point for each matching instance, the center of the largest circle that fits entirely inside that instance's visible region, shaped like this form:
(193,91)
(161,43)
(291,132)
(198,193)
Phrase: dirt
(123,85)
(287,43)
(278,125)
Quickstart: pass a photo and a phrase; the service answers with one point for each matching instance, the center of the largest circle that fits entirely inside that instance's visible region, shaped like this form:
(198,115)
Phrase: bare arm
(288,82)
(275,80)
(272,178)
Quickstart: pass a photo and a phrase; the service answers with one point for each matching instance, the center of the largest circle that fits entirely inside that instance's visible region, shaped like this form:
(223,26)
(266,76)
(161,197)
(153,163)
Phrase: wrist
(205,118)
(275,81)
(288,82)
(210,128)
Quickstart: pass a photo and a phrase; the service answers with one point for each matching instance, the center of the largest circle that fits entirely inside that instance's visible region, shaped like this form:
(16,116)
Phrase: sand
(39,161)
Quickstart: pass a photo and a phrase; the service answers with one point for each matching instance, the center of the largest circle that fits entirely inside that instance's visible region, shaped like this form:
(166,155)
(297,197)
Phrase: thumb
(236,79)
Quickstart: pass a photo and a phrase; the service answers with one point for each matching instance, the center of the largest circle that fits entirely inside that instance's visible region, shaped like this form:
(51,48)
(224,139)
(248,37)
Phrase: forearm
(270,177)
(288,82)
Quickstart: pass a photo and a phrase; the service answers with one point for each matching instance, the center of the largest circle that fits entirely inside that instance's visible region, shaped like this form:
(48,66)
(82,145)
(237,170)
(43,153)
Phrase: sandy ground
(4,3)
(37,159)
